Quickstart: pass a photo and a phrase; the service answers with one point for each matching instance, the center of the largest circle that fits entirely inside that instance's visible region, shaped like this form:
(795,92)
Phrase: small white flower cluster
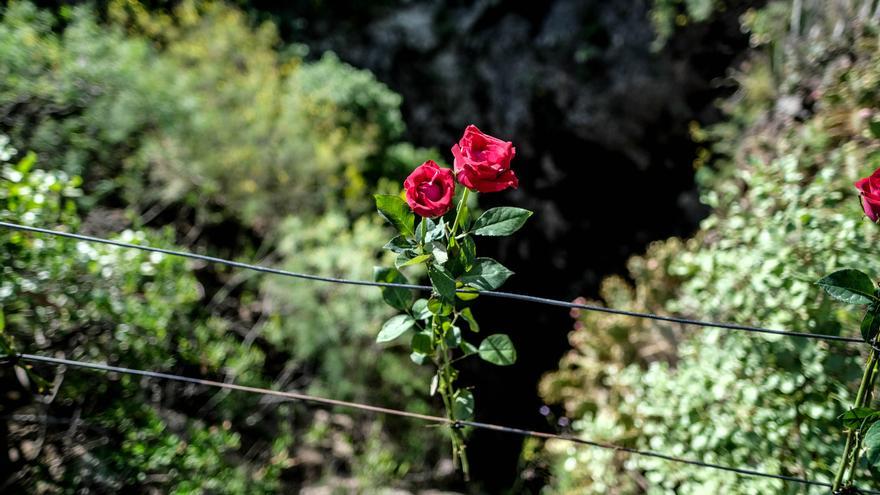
(6,151)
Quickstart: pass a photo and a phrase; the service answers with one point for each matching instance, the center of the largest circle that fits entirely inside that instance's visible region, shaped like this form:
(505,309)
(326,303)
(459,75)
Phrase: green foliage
(501,221)
(397,212)
(395,297)
(498,349)
(212,113)
(454,272)
(99,302)
(666,15)
(395,327)
(197,116)
(486,274)
(850,286)
(872,444)
(784,214)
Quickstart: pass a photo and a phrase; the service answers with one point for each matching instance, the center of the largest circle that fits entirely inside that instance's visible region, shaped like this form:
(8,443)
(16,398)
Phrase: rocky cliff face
(600,121)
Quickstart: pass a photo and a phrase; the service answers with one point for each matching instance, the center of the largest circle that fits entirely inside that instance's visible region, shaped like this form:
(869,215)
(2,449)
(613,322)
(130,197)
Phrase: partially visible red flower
(429,189)
(869,189)
(482,162)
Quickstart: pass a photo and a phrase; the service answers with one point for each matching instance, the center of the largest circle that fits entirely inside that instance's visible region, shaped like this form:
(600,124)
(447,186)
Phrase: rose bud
(869,190)
(429,189)
(482,162)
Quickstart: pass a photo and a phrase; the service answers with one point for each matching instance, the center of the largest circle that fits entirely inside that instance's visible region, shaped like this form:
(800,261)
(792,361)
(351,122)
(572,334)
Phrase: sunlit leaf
(397,212)
(850,286)
(498,349)
(486,274)
(501,221)
(395,327)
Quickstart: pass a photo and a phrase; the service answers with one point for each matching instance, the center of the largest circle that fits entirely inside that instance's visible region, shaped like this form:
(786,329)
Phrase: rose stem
(461,203)
(859,438)
(458,445)
(860,397)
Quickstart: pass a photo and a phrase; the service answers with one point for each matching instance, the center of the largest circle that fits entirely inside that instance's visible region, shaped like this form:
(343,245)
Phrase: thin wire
(504,295)
(423,417)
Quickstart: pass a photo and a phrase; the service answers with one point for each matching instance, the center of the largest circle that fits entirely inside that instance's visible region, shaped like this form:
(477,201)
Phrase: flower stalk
(851,450)
(435,325)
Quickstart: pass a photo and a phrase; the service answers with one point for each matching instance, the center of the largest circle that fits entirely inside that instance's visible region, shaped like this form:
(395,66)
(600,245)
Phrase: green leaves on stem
(498,349)
(872,445)
(395,327)
(442,281)
(396,297)
(457,275)
(850,286)
(855,287)
(871,322)
(486,274)
(396,211)
(501,221)
(463,405)
(468,316)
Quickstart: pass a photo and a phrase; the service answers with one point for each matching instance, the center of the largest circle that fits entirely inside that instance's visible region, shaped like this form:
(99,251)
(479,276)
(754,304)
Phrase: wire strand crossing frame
(492,293)
(424,417)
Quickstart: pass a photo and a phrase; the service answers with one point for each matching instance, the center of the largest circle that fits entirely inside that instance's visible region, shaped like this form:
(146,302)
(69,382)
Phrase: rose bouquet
(444,243)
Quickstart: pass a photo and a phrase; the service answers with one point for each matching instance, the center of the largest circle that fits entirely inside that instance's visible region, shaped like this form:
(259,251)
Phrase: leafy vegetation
(201,122)
(779,179)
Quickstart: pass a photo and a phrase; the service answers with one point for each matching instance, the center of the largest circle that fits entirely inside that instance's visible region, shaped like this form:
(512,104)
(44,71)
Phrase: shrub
(784,214)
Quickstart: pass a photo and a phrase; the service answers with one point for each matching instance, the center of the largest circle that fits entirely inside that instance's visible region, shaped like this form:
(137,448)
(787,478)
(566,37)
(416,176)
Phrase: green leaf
(422,343)
(468,252)
(399,244)
(468,348)
(434,230)
(427,225)
(855,418)
(874,126)
(438,251)
(24,165)
(452,336)
(420,309)
(402,262)
(467,293)
(396,211)
(501,221)
(463,405)
(396,297)
(850,286)
(418,358)
(442,281)
(439,308)
(498,349)
(469,318)
(486,274)
(395,327)
(463,217)
(872,444)
(870,323)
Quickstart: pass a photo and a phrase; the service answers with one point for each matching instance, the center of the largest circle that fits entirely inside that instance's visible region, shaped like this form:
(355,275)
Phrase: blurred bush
(196,119)
(778,176)
(93,302)
(201,103)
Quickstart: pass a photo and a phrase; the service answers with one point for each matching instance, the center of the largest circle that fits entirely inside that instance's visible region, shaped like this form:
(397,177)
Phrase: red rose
(869,189)
(482,162)
(429,189)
